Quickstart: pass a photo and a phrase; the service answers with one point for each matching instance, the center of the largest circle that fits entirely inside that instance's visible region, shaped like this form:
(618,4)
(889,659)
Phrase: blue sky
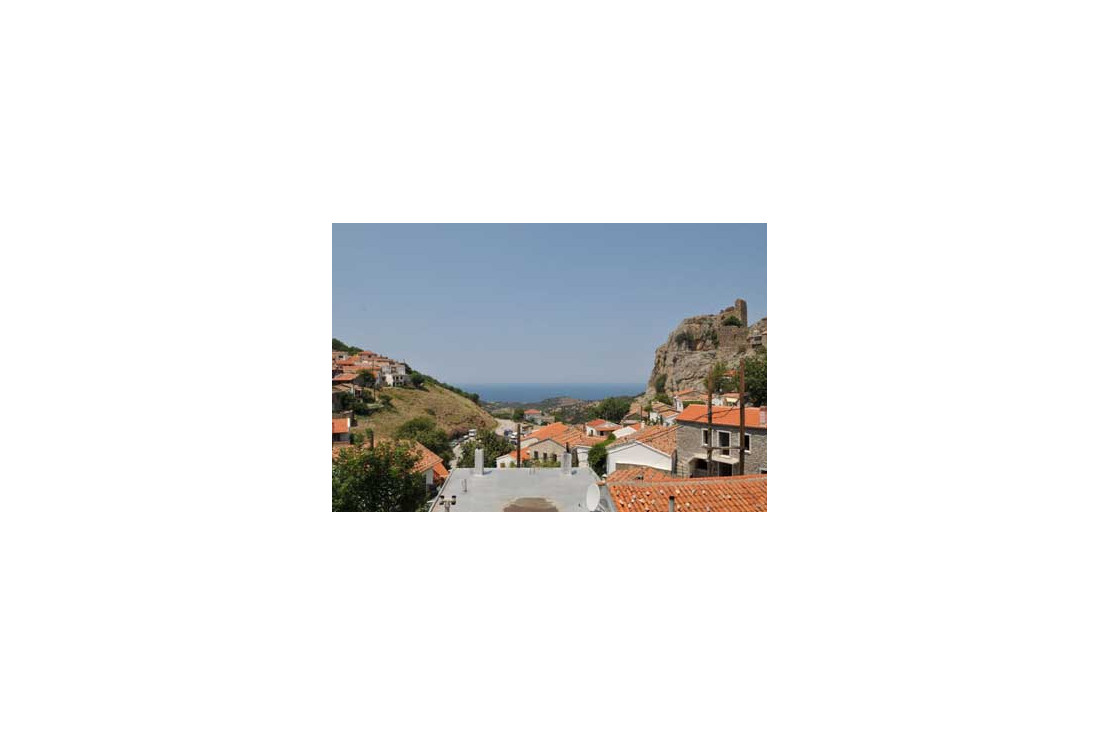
(536,303)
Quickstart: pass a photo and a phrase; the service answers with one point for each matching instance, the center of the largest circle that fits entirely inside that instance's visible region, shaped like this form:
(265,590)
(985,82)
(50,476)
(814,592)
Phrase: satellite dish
(592,499)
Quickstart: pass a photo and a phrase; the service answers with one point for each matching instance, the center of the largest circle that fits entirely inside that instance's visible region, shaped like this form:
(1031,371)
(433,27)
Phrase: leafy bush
(663,398)
(493,445)
(659,384)
(597,455)
(425,431)
(685,339)
(379,479)
(731,320)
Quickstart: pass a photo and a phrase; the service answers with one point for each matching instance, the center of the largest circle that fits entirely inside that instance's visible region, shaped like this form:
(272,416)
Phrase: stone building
(692,436)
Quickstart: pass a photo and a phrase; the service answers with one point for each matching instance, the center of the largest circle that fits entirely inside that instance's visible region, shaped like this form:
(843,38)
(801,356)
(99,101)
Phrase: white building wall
(638,454)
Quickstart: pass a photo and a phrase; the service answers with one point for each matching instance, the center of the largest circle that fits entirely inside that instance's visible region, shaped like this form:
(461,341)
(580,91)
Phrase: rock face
(698,341)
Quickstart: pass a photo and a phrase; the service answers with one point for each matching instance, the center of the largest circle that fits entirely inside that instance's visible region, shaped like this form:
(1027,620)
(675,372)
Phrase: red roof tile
(341,426)
(723,416)
(661,438)
(723,494)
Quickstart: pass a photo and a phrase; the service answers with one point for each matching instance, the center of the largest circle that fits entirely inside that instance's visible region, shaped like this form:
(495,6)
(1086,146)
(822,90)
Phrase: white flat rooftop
(519,488)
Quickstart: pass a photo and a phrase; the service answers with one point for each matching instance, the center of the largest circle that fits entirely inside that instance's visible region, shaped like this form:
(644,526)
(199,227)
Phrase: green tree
(597,455)
(659,384)
(612,409)
(367,375)
(756,379)
(732,321)
(424,430)
(417,379)
(493,445)
(517,414)
(338,345)
(379,479)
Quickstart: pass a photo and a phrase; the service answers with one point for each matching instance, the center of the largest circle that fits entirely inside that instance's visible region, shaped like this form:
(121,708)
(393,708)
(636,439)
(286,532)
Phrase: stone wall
(689,441)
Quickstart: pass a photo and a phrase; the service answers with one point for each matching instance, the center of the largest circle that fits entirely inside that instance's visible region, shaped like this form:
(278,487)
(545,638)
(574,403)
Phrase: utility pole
(741,404)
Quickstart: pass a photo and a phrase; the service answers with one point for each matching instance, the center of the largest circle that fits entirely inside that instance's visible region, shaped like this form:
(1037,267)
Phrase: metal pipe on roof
(671,503)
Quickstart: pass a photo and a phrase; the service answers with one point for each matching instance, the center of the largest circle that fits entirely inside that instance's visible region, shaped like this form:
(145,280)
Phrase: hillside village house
(635,415)
(571,440)
(352,379)
(509,460)
(653,446)
(341,430)
(600,427)
(662,413)
(625,431)
(535,416)
(692,437)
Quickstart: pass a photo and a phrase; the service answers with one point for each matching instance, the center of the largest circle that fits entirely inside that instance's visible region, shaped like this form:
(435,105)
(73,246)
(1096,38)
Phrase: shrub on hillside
(731,320)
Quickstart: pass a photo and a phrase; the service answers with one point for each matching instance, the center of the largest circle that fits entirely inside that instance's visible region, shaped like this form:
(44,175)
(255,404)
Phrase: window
(724,443)
(706,437)
(554,457)
(748,444)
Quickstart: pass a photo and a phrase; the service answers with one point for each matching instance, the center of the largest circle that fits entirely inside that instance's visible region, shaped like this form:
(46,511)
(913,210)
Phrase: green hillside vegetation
(451,412)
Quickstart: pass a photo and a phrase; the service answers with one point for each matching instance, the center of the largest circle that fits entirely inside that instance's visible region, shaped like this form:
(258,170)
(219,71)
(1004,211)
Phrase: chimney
(566,463)
(671,503)
(479,461)
(763,415)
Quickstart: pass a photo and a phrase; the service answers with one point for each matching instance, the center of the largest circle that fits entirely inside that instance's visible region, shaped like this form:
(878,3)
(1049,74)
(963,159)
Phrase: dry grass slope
(452,411)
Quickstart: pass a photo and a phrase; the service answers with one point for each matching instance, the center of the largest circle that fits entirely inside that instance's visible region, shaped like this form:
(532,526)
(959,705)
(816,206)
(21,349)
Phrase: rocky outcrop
(695,345)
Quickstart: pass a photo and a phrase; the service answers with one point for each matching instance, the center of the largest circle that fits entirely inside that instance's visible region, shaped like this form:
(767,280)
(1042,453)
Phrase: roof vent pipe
(671,503)
(479,461)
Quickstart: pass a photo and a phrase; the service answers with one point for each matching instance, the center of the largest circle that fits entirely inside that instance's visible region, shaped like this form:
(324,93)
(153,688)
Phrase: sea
(535,392)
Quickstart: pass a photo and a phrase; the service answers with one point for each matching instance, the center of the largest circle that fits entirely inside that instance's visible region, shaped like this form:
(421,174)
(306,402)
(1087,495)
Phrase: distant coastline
(535,392)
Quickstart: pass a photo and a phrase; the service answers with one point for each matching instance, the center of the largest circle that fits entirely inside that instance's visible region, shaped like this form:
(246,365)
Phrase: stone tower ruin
(741,309)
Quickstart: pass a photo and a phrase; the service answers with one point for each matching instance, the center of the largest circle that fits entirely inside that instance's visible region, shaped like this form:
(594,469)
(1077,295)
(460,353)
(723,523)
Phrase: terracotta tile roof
(658,406)
(628,473)
(661,438)
(440,472)
(428,458)
(547,432)
(722,494)
(341,426)
(344,378)
(603,425)
(531,411)
(524,455)
(573,437)
(723,415)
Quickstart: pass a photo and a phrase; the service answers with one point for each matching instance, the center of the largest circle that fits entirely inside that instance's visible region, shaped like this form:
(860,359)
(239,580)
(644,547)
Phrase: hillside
(451,411)
(697,342)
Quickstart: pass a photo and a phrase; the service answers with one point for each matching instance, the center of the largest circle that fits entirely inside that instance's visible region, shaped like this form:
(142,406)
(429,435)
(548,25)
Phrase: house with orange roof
(341,430)
(555,446)
(693,437)
(430,463)
(509,460)
(653,446)
(633,491)
(600,427)
(545,432)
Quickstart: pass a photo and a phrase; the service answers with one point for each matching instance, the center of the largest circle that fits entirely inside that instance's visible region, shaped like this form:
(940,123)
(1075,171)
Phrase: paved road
(503,424)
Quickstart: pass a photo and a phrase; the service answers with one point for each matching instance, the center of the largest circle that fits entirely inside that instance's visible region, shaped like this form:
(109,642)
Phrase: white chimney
(479,461)
(566,463)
